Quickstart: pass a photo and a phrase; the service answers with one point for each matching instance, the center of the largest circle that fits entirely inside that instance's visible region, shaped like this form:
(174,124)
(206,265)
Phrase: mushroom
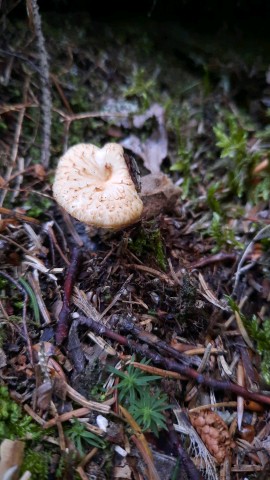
(94,185)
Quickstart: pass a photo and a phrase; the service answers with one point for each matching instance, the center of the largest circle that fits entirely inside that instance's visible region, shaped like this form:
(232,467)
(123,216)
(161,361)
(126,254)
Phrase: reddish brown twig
(173,365)
(151,339)
(63,320)
(219,257)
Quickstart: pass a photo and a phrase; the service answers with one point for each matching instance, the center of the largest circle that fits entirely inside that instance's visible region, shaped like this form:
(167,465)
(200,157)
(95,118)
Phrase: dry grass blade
(240,400)
(34,282)
(209,295)
(243,330)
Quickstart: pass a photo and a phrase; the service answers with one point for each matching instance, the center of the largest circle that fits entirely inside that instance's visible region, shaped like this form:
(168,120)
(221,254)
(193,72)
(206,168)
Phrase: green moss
(149,241)
(14,424)
(37,205)
(260,334)
(36,462)
(142,87)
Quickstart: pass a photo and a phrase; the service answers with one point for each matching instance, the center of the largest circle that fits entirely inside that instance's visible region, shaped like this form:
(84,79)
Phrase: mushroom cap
(94,185)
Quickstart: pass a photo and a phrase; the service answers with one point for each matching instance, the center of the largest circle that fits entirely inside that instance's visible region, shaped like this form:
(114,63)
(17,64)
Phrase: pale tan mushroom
(94,185)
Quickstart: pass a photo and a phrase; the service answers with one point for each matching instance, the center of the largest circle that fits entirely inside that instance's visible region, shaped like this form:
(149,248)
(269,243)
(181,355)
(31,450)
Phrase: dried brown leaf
(155,148)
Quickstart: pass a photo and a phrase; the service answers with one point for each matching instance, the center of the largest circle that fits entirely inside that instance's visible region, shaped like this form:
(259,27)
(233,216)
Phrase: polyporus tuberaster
(94,185)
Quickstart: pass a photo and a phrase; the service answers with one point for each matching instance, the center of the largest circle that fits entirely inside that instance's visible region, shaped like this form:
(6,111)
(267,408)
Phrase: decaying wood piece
(158,193)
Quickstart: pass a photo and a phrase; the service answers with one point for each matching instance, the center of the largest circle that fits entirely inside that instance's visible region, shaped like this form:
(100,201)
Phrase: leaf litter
(184,292)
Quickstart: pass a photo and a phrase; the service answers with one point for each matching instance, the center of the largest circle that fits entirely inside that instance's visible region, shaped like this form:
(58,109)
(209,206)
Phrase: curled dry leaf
(155,148)
(214,433)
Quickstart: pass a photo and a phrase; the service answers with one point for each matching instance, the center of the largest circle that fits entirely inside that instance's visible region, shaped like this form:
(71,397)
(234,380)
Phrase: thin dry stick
(46,105)
(15,144)
(153,473)
(83,475)
(79,412)
(88,457)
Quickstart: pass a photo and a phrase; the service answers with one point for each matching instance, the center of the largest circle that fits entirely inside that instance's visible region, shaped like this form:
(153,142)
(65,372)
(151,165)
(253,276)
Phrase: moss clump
(149,241)
(14,424)
(37,463)
(260,334)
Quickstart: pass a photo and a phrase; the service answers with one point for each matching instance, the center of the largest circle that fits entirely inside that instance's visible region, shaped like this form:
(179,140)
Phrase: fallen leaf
(155,148)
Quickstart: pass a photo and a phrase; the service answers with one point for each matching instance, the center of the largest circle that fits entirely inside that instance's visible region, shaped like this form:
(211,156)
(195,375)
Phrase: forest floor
(163,370)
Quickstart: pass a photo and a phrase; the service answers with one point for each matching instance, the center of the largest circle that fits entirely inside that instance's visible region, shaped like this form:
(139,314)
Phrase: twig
(151,339)
(153,474)
(151,271)
(171,364)
(88,457)
(18,215)
(82,474)
(46,105)
(63,321)
(15,143)
(79,412)
(219,257)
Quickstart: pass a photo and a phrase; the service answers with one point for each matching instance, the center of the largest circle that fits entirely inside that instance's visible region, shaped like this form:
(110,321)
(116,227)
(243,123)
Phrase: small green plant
(185,153)
(145,404)
(232,140)
(132,381)
(260,333)
(81,437)
(223,235)
(143,88)
(212,200)
(148,410)
(262,189)
(14,424)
